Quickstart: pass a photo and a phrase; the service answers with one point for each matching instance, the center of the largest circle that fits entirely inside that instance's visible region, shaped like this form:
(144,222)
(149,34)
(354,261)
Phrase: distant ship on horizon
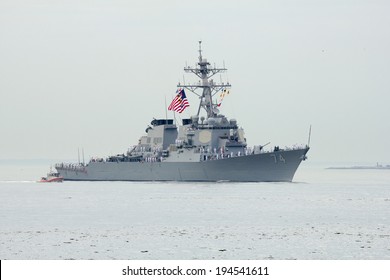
(206,147)
(377,166)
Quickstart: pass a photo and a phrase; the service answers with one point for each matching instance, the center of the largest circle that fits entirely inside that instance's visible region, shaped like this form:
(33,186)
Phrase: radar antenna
(200,51)
(209,88)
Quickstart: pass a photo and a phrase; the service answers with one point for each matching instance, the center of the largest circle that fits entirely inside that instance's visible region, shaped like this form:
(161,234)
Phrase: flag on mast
(222,96)
(180,102)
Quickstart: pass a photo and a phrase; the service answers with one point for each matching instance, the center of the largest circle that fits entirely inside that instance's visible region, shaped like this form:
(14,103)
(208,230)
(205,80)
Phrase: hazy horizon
(93,74)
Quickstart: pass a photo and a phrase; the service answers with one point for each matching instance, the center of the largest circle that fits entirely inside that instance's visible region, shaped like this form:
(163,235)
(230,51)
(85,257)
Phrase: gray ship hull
(277,166)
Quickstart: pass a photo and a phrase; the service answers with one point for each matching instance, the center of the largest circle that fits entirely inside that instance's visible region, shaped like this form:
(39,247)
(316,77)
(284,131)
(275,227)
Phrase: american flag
(180,102)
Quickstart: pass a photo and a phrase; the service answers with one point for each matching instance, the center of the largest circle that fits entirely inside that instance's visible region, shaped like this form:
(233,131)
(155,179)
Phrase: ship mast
(208,86)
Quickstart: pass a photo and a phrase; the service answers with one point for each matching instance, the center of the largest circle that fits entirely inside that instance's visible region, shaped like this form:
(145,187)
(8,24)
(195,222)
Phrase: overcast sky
(93,74)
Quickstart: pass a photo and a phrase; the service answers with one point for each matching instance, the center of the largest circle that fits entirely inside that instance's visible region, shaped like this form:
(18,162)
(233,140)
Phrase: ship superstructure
(206,147)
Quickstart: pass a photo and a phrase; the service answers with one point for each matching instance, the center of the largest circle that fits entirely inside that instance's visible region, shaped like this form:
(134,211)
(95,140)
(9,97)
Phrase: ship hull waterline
(277,166)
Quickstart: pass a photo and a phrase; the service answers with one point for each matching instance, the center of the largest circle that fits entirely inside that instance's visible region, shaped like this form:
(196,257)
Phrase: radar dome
(233,122)
(212,121)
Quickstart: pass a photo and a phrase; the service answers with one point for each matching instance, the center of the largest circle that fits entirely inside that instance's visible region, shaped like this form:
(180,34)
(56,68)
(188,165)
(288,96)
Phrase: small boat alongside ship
(52,177)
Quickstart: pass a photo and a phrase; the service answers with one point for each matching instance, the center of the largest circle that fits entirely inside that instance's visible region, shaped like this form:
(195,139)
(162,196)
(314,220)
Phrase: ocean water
(323,214)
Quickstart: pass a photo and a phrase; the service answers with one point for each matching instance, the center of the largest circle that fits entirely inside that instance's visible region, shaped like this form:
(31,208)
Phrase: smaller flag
(222,96)
(180,102)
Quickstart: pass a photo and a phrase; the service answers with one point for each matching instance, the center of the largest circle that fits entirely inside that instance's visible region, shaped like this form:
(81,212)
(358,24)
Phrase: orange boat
(52,177)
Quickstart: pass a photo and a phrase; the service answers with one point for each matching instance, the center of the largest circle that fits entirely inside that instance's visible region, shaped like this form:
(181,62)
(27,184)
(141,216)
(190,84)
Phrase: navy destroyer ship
(206,147)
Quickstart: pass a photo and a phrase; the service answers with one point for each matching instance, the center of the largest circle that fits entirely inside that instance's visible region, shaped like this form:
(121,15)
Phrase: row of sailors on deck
(204,157)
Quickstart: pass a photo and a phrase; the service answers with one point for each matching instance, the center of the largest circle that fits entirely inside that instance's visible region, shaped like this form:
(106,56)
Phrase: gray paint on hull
(265,167)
